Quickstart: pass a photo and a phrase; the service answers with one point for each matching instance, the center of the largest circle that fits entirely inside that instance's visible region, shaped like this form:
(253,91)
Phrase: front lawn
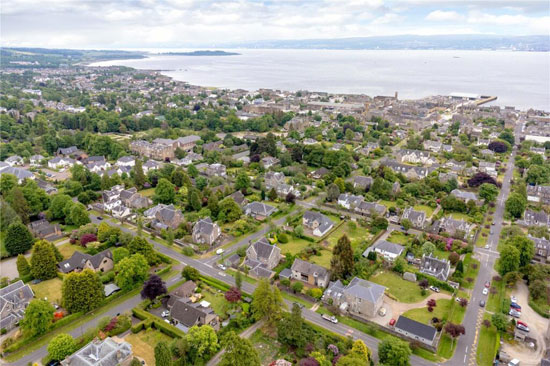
(459,216)
(294,245)
(422,315)
(398,237)
(144,342)
(471,265)
(388,204)
(487,344)
(323,260)
(67,250)
(50,289)
(446,347)
(426,209)
(356,236)
(402,290)
(147,192)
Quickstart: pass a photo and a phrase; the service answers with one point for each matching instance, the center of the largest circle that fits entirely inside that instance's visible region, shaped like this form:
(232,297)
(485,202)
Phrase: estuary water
(520,79)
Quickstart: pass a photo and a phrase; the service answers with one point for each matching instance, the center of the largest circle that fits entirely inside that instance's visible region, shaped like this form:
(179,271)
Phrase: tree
(194,199)
(79,216)
(164,192)
(202,341)
(399,265)
(61,346)
(407,224)
(43,262)
(139,245)
(229,210)
(119,254)
(341,263)
(508,136)
(428,248)
(290,197)
(297,287)
(360,350)
(525,246)
(107,232)
(192,171)
(488,192)
(7,182)
(23,266)
(272,194)
(509,260)
(18,239)
(8,215)
(233,295)
(58,256)
(454,257)
(454,330)
(139,176)
(515,205)
(178,177)
(131,271)
(238,351)
(19,204)
(267,302)
(480,178)
(213,205)
(291,329)
(163,357)
(82,291)
(238,279)
(38,317)
(153,287)
(394,351)
(190,273)
(57,206)
(380,223)
(242,182)
(498,146)
(463,302)
(333,192)
(500,321)
(87,238)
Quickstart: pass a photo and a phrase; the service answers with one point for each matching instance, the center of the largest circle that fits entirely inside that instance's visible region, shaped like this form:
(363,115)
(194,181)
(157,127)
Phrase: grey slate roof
(413,327)
(365,289)
(308,268)
(385,246)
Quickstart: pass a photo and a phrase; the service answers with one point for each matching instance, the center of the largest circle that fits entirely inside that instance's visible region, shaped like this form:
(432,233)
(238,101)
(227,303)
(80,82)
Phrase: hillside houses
(163,217)
(415,157)
(409,171)
(538,194)
(542,248)
(310,273)
(259,210)
(262,257)
(100,262)
(435,267)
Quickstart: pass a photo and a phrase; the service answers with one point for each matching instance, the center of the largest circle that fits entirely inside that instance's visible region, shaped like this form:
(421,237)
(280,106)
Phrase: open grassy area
(294,245)
(215,298)
(50,289)
(471,267)
(68,249)
(446,347)
(398,237)
(422,315)
(245,277)
(487,344)
(356,236)
(386,203)
(426,209)
(459,216)
(147,192)
(144,342)
(495,300)
(323,260)
(404,291)
(296,299)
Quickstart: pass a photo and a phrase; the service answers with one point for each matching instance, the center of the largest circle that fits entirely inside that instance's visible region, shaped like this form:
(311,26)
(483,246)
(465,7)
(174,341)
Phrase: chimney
(396,95)
(21,294)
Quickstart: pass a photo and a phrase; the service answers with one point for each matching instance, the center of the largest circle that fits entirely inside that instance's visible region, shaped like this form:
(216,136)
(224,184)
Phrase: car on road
(219,251)
(487,246)
(514,313)
(167,321)
(513,299)
(222,267)
(165,314)
(100,218)
(515,305)
(522,326)
(485,291)
(434,289)
(487,284)
(482,303)
(493,223)
(330,318)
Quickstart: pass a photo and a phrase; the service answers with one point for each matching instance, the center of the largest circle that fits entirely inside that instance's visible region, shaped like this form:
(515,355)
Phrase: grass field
(356,236)
(388,204)
(469,264)
(398,237)
(323,260)
(494,301)
(459,216)
(50,289)
(446,347)
(426,209)
(144,342)
(147,192)
(68,249)
(216,300)
(422,315)
(404,291)
(294,245)
(487,344)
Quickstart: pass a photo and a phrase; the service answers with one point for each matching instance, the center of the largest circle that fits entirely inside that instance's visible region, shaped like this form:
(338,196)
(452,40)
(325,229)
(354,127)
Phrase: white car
(165,314)
(434,289)
(513,299)
(219,251)
(167,321)
(514,313)
(487,246)
(485,291)
(222,267)
(330,318)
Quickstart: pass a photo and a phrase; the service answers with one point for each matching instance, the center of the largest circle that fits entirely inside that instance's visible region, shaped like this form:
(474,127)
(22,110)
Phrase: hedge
(435,282)
(164,270)
(159,324)
(164,258)
(538,309)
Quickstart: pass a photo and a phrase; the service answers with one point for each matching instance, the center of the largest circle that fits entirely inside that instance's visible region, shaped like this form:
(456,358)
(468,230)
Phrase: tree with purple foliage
(454,330)
(498,146)
(87,238)
(309,361)
(480,178)
(233,295)
(153,287)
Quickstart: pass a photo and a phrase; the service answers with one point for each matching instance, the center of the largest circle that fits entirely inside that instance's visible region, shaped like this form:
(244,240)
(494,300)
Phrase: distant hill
(411,42)
(201,53)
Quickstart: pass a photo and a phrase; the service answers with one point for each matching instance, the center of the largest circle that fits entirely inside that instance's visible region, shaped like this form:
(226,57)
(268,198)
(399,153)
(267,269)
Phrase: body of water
(520,79)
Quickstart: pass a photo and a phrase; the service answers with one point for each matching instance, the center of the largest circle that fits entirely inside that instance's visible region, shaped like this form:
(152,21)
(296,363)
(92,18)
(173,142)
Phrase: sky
(122,24)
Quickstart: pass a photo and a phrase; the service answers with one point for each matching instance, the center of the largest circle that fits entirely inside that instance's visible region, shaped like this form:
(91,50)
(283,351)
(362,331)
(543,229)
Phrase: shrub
(283,238)
(187,251)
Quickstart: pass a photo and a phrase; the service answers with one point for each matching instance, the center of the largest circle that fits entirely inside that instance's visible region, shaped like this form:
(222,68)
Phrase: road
(466,349)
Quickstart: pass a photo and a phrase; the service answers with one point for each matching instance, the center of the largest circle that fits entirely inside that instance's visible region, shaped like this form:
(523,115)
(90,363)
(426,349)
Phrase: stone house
(205,231)
(318,223)
(360,297)
(100,262)
(259,210)
(105,352)
(417,218)
(310,273)
(14,298)
(435,267)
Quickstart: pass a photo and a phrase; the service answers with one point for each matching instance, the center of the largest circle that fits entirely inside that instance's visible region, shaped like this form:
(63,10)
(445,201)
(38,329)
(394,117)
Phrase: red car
(487,284)
(521,323)
(392,322)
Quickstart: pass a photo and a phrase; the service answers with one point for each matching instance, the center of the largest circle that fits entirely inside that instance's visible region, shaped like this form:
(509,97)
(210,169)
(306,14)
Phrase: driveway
(538,327)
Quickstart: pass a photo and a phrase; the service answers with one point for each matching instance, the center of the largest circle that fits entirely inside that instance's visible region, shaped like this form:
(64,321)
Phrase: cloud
(443,16)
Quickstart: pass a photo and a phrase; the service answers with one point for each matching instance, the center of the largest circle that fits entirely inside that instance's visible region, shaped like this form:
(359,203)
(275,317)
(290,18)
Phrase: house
(455,166)
(151,165)
(68,151)
(464,196)
(239,198)
(100,262)
(435,267)
(269,161)
(14,160)
(273,179)
(44,230)
(362,183)
(263,253)
(97,164)
(61,162)
(410,171)
(538,194)
(127,161)
(319,173)
(434,146)
(105,352)
(205,231)
(36,160)
(370,209)
(360,297)
(187,289)
(14,298)
(284,190)
(186,314)
(47,187)
(349,201)
(19,173)
(415,330)
(445,177)
(318,223)
(259,210)
(488,167)
(417,218)
(233,261)
(542,248)
(535,218)
(132,199)
(216,170)
(120,212)
(386,249)
(310,273)
(111,197)
(187,143)
(415,157)
(456,228)
(167,217)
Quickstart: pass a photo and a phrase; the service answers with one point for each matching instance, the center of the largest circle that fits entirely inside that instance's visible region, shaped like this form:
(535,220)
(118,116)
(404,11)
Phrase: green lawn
(471,272)
(323,260)
(294,245)
(144,342)
(398,237)
(147,192)
(494,302)
(446,347)
(356,236)
(388,204)
(3,250)
(424,208)
(404,291)
(459,216)
(487,344)
(296,299)
(215,298)
(50,289)
(68,249)
(422,315)
(245,277)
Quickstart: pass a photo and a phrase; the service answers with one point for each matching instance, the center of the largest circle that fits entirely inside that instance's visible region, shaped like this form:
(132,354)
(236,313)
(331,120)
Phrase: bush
(283,238)
(188,251)
(297,287)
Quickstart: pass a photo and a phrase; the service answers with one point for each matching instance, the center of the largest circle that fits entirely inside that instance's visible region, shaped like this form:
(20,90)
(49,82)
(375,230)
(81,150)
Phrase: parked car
(458,299)
(515,306)
(487,246)
(514,362)
(382,312)
(392,322)
(482,303)
(485,291)
(434,289)
(222,267)
(522,326)
(488,284)
(100,218)
(165,314)
(167,321)
(330,318)
(514,313)
(219,251)
(513,299)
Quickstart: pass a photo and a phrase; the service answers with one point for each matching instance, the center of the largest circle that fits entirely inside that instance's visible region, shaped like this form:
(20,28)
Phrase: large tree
(43,261)
(82,291)
(515,205)
(57,206)
(525,246)
(229,210)
(79,216)
(393,351)
(238,351)
(291,329)
(509,260)
(488,192)
(341,264)
(38,317)
(153,287)
(164,192)
(203,342)
(267,302)
(139,176)
(61,346)
(163,356)
(19,204)
(18,239)
(140,245)
(8,215)
(190,273)
(131,271)
(23,266)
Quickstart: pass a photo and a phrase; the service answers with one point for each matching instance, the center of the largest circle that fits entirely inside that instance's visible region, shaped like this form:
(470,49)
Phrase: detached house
(14,160)
(259,210)
(126,161)
(386,249)
(542,248)
(167,217)
(101,262)
(269,161)
(370,209)
(535,218)
(415,330)
(435,267)
(187,314)
(454,227)
(105,352)
(434,146)
(464,196)
(417,218)
(360,297)
(262,257)
(318,223)
(44,230)
(538,194)
(362,183)
(36,160)
(206,232)
(14,298)
(273,179)
(415,157)
(349,201)
(216,170)
(310,273)
(60,162)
